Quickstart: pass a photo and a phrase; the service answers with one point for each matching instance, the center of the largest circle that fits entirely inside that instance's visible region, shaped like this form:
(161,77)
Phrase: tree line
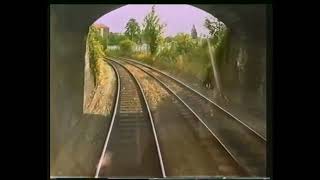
(183,52)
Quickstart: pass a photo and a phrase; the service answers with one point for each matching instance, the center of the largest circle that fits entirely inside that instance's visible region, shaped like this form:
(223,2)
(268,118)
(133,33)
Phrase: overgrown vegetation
(184,53)
(219,39)
(97,46)
(98,100)
(126,47)
(115,38)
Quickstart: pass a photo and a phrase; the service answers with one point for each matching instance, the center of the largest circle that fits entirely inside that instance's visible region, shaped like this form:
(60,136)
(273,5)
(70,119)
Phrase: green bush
(114,52)
(96,51)
(167,53)
(126,47)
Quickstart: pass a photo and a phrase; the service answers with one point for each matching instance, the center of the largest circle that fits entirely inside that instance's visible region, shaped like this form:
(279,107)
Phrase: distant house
(104,30)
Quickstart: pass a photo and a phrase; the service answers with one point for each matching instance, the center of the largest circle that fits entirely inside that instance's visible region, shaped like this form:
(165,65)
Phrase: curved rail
(197,117)
(112,122)
(150,117)
(201,95)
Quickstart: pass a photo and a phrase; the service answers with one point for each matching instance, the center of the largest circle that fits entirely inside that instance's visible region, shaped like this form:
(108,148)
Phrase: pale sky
(179,18)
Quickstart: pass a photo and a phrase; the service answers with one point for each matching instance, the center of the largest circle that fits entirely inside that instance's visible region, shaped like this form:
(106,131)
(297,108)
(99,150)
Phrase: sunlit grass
(152,90)
(99,103)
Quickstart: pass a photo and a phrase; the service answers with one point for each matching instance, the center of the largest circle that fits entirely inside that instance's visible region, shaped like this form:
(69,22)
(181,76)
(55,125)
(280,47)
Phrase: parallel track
(238,138)
(198,94)
(207,140)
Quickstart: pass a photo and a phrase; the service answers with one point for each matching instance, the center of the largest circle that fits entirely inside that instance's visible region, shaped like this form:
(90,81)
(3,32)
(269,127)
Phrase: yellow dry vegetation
(153,91)
(172,85)
(100,102)
(144,57)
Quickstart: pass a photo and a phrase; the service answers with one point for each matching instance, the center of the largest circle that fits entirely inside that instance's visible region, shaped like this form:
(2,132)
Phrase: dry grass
(184,65)
(172,85)
(154,93)
(100,101)
(144,57)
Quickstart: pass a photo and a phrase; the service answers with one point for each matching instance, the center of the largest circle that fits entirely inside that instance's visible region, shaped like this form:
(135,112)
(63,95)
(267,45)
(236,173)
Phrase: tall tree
(214,26)
(194,33)
(152,30)
(133,30)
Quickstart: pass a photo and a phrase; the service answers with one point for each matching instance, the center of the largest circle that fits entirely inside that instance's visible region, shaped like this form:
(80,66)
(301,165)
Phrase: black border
(269,90)
(48,90)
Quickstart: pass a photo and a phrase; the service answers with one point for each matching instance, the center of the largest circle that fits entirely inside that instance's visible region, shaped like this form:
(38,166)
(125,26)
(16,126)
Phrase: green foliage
(97,46)
(114,52)
(214,26)
(168,52)
(152,30)
(171,48)
(183,43)
(133,31)
(115,38)
(220,44)
(168,39)
(96,43)
(126,46)
(219,39)
(185,53)
(94,34)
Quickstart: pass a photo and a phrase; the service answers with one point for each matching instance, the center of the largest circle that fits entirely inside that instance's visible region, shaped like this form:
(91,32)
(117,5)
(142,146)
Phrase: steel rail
(150,117)
(199,94)
(115,110)
(198,118)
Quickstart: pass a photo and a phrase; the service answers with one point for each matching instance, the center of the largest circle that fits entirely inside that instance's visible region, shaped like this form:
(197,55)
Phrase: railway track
(169,78)
(188,146)
(244,143)
(131,147)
